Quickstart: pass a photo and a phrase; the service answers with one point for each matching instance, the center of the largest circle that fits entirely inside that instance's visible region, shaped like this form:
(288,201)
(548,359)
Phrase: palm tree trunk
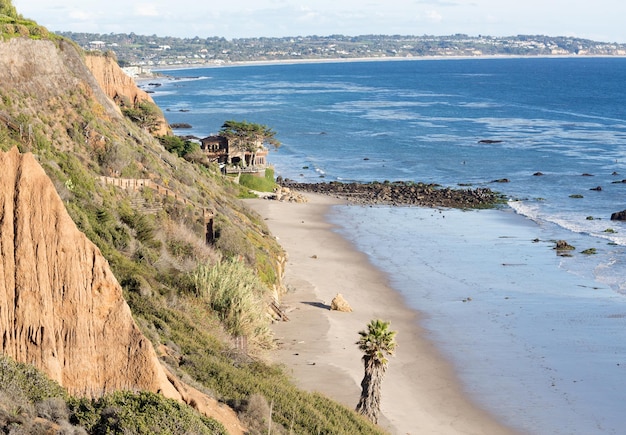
(369,403)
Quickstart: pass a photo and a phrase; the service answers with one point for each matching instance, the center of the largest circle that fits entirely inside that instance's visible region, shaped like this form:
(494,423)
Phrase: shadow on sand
(318,305)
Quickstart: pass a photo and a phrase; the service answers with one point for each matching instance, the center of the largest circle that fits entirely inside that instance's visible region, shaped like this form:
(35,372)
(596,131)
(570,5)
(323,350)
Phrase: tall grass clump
(237,295)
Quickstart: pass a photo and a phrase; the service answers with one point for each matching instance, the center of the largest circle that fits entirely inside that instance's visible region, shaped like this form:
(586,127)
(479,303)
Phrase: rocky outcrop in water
(619,216)
(402,193)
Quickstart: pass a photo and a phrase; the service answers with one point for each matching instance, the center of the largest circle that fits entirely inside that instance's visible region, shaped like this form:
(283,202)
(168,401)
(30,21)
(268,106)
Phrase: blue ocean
(537,338)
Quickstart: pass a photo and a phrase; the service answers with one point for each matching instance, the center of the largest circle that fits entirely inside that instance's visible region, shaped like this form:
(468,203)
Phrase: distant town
(154,51)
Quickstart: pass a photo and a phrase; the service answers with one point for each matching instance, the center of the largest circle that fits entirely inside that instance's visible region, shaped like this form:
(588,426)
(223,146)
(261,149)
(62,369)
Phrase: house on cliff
(251,157)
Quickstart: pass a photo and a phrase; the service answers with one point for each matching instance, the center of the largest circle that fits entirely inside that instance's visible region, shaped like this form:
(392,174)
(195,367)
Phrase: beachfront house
(237,157)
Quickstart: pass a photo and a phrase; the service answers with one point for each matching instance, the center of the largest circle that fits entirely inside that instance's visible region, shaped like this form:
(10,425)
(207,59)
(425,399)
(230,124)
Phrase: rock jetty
(402,194)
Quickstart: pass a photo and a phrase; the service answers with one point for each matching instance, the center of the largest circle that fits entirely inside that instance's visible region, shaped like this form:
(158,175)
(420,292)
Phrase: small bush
(177,145)
(53,409)
(257,416)
(140,413)
(25,380)
(232,242)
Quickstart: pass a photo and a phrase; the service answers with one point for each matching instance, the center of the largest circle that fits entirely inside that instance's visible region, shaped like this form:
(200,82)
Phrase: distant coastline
(361,59)
(154,52)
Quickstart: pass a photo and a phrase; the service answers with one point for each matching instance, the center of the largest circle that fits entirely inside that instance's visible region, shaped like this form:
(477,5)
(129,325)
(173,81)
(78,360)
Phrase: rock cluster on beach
(402,193)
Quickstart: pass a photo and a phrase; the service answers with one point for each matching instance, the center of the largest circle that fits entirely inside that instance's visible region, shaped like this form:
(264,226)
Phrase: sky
(601,20)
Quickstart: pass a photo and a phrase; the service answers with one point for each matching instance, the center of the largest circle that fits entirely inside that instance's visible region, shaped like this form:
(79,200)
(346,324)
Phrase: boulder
(619,216)
(562,245)
(340,304)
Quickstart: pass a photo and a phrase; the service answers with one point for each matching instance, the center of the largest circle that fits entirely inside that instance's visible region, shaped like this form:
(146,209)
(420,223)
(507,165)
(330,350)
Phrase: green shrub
(140,413)
(145,114)
(177,145)
(30,403)
(25,380)
(7,8)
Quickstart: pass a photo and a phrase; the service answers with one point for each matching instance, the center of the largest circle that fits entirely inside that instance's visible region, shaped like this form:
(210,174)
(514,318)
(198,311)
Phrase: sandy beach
(421,393)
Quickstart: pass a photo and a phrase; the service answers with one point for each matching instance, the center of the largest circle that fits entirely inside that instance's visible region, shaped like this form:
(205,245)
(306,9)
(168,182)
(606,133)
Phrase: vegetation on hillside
(179,146)
(155,242)
(30,403)
(266,183)
(14,25)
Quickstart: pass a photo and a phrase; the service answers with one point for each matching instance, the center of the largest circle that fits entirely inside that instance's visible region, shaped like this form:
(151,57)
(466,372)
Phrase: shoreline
(318,345)
(160,68)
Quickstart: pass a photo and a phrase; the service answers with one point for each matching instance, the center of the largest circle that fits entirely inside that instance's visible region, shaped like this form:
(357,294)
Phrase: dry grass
(238,296)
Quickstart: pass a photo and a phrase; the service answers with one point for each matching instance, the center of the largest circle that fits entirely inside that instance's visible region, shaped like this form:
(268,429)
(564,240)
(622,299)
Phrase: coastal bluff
(119,86)
(61,307)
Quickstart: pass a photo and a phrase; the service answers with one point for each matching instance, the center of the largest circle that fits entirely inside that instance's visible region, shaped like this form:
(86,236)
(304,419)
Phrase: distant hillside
(132,49)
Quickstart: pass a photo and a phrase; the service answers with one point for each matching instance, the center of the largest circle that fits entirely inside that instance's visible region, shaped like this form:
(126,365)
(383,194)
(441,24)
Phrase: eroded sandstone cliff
(61,308)
(118,85)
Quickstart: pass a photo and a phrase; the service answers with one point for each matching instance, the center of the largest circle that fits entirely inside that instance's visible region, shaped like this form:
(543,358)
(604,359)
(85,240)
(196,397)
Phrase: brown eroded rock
(118,85)
(340,304)
(61,308)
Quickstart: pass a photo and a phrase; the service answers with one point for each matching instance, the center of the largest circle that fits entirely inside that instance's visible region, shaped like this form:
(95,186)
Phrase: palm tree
(376,342)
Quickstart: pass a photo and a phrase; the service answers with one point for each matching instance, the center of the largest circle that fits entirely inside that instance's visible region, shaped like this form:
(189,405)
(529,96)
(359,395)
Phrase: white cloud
(146,10)
(79,15)
(434,16)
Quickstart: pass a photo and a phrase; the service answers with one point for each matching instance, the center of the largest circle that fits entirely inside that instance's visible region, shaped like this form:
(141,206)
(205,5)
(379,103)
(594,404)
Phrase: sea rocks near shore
(401,193)
(619,216)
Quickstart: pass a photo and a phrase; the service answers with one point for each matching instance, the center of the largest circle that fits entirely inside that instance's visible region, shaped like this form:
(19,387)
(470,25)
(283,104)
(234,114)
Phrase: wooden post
(210,233)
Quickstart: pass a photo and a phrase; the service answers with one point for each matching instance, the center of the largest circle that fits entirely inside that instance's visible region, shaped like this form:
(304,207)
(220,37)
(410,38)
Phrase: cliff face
(61,308)
(118,85)
(30,66)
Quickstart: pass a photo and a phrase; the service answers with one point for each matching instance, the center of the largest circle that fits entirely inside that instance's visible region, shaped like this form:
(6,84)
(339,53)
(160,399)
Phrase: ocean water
(538,339)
